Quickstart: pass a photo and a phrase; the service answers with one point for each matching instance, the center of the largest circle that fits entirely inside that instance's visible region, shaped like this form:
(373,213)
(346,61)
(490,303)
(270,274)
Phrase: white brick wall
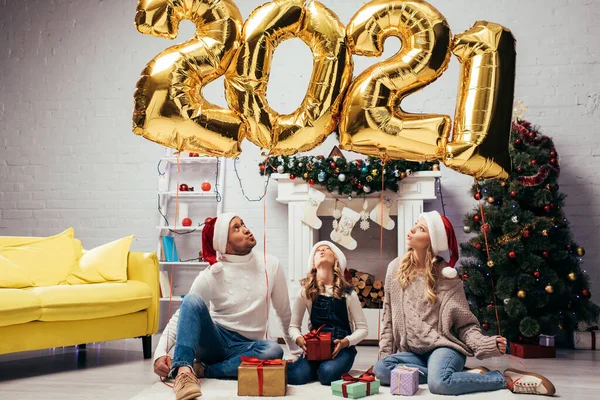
(68,157)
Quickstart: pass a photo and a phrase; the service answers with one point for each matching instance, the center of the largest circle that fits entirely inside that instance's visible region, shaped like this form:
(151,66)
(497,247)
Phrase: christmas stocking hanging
(341,234)
(315,198)
(381,213)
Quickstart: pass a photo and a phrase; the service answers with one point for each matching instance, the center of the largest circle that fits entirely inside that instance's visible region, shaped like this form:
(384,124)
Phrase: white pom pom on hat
(442,236)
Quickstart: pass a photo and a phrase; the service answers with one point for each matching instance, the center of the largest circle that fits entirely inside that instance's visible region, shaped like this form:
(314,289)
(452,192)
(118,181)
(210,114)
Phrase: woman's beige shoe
(528,382)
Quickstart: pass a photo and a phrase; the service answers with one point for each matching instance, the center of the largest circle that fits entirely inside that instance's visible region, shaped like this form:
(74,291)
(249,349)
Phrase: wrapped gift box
(318,345)
(585,340)
(546,340)
(262,377)
(404,381)
(531,350)
(355,388)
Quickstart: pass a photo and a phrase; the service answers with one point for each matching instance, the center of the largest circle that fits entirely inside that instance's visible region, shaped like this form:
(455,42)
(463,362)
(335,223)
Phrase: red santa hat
(214,237)
(442,236)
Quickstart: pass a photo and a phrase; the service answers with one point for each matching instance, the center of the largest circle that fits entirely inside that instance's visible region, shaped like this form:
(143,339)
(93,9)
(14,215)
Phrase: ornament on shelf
(311,181)
(466,229)
(537,274)
(402,175)
(322,176)
(305,175)
(490,263)
(206,186)
(580,251)
(342,177)
(280,169)
(292,177)
(184,187)
(549,289)
(309,217)
(381,213)
(364,216)
(186,222)
(521,294)
(342,235)
(572,276)
(515,219)
(512,254)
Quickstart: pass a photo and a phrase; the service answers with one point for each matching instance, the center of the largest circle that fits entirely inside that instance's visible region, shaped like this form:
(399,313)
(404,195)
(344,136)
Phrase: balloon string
(265,249)
(381,198)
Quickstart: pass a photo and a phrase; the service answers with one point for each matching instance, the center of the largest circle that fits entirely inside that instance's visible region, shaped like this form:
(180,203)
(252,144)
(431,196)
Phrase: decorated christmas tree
(524,268)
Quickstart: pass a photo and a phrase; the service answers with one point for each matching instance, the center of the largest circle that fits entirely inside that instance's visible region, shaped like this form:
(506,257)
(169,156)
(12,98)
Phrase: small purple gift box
(547,340)
(405,381)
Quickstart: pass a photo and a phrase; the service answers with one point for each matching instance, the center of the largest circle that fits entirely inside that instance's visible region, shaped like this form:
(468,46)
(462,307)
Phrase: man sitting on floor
(225,314)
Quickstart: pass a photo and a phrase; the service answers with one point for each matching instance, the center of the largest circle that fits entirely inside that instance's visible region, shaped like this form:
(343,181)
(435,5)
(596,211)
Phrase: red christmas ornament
(553,161)
(205,186)
(586,293)
(186,222)
(536,274)
(262,168)
(552,153)
(512,254)
(490,307)
(477,196)
(545,254)
(332,164)
(464,277)
(476,217)
(533,162)
(311,181)
(485,228)
(485,326)
(360,186)
(183,187)
(478,246)
(547,208)
(519,170)
(194,155)
(513,193)
(570,247)
(531,135)
(526,234)
(518,142)
(292,177)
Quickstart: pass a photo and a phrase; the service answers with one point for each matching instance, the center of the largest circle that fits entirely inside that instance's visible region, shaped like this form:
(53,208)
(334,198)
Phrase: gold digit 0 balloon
(485,101)
(169,107)
(372,121)
(248,76)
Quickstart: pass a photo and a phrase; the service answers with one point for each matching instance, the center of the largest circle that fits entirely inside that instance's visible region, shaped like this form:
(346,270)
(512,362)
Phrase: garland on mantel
(346,177)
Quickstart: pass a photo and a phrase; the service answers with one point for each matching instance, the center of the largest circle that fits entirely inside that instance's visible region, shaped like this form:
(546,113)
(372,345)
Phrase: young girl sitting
(428,324)
(331,301)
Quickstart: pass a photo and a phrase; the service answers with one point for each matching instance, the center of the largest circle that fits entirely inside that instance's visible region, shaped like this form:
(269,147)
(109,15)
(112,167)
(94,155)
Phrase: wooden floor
(116,370)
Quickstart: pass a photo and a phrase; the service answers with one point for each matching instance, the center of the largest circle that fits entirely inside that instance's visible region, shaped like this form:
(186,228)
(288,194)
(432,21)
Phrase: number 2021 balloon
(170,110)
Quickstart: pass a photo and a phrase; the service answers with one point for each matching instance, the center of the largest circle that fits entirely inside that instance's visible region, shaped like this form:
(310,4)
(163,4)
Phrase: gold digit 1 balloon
(248,76)
(372,121)
(485,101)
(169,107)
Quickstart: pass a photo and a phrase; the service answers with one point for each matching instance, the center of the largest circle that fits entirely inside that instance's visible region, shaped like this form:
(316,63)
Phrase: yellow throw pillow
(106,263)
(42,262)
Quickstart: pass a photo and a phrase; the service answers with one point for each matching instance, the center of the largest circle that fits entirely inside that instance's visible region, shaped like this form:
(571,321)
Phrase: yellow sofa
(41,317)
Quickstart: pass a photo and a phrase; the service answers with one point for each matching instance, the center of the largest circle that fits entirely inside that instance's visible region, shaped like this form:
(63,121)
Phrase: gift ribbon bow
(367,378)
(259,368)
(314,334)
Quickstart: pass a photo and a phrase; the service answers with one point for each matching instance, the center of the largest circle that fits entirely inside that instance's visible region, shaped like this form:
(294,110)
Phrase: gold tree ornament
(549,289)
(580,251)
(545,232)
(521,294)
(490,264)
(572,276)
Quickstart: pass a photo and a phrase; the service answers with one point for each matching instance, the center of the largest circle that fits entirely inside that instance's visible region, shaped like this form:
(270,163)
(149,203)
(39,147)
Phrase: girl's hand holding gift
(301,342)
(501,342)
(339,345)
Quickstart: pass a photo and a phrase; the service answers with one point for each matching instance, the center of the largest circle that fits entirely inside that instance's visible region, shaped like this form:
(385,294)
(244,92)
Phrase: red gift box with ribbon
(262,377)
(318,345)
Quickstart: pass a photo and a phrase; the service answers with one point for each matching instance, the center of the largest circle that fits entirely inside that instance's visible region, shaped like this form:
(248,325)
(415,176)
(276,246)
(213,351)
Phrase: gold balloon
(248,76)
(372,121)
(169,107)
(483,115)
(521,294)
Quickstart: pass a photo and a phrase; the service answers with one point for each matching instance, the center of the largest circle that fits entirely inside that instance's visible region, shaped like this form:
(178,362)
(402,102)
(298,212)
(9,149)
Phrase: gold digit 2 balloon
(169,107)
(248,76)
(485,101)
(372,121)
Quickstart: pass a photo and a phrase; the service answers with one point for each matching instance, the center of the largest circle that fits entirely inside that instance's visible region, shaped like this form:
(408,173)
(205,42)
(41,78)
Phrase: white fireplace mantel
(413,192)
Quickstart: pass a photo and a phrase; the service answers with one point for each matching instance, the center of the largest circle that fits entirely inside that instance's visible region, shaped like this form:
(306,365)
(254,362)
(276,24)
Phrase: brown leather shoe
(186,386)
(527,382)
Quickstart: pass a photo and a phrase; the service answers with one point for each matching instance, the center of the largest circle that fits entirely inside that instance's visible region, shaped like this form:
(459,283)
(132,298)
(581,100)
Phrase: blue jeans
(198,337)
(442,371)
(303,371)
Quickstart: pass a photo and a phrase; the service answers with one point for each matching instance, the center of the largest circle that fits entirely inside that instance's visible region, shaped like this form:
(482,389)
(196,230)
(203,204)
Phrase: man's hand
(339,345)
(301,343)
(162,366)
(501,342)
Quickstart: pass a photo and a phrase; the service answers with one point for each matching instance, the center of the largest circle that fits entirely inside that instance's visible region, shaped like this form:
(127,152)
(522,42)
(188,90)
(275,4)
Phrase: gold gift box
(274,377)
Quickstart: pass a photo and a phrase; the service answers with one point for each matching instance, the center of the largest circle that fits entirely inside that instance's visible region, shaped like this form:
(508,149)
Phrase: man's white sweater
(235,291)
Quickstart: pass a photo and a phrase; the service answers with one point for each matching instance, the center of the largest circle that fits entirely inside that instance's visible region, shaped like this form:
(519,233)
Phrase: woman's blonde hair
(312,287)
(407,272)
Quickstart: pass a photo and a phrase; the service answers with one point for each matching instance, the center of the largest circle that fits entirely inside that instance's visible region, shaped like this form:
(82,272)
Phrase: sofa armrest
(144,267)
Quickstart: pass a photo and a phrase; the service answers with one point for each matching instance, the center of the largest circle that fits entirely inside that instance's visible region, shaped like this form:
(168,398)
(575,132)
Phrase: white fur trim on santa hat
(221,234)
(437,231)
(336,250)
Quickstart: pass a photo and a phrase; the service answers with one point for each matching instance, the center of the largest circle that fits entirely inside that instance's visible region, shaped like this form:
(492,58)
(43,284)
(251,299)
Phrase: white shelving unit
(192,171)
